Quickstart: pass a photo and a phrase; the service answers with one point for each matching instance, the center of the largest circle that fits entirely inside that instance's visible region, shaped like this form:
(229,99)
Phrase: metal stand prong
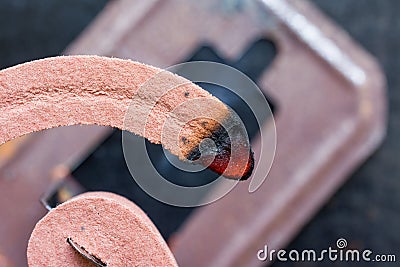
(85,253)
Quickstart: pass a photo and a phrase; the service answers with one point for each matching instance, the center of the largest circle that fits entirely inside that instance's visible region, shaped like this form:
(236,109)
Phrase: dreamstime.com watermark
(338,253)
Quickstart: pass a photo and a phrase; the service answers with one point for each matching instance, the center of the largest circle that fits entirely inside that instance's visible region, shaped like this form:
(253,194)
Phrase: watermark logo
(140,113)
(341,243)
(339,253)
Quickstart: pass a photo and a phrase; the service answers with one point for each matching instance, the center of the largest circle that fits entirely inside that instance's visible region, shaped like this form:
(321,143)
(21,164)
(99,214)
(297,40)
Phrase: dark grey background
(366,210)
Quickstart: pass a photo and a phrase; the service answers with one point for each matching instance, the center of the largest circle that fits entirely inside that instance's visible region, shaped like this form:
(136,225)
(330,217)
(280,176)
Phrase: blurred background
(365,210)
